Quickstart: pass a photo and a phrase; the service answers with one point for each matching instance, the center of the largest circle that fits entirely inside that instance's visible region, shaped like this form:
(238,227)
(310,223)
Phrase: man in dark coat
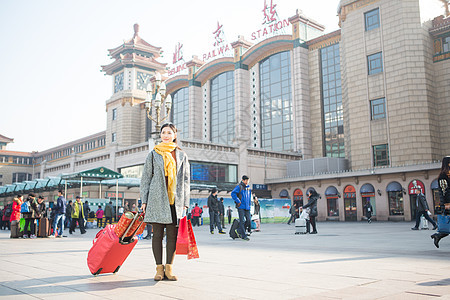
(108,213)
(422,210)
(213,205)
(222,213)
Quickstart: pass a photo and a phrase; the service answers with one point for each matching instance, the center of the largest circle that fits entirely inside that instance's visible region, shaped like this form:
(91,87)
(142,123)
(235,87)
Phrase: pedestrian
(257,213)
(86,210)
(222,213)
(368,209)
(78,215)
(149,232)
(242,195)
(293,212)
(99,215)
(165,195)
(422,210)
(196,211)
(121,211)
(60,215)
(133,207)
(313,196)
(15,216)
(7,215)
(108,213)
(126,207)
(229,214)
(444,195)
(213,205)
(30,216)
(68,214)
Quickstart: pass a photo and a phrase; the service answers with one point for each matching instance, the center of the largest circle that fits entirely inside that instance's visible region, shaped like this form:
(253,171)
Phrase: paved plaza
(344,261)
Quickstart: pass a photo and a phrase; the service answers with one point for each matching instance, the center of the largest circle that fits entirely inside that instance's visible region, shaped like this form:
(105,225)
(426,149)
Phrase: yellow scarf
(170,167)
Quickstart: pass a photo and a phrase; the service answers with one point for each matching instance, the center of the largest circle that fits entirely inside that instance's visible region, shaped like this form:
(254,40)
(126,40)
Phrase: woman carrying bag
(165,195)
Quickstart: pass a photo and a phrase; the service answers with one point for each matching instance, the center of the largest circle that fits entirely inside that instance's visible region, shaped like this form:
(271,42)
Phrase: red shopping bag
(186,244)
(192,248)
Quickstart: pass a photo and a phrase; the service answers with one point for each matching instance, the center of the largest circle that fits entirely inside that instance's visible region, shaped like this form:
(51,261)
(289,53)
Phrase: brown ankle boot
(159,273)
(169,274)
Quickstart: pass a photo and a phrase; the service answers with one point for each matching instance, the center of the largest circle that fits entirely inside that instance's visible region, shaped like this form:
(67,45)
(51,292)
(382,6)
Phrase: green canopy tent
(97,174)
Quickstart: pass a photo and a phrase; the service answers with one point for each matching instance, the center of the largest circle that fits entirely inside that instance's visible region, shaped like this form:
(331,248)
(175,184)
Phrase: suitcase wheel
(98,272)
(297,232)
(116,270)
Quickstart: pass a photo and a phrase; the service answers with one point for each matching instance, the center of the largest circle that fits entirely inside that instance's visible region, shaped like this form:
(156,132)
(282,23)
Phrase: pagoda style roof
(4,139)
(134,52)
(440,25)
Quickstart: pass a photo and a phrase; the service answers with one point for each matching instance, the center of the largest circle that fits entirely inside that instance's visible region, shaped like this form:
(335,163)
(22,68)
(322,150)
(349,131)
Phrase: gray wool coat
(154,189)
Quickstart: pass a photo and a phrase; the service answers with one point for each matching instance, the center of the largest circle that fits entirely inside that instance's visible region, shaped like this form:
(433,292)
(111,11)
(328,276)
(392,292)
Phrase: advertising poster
(272,210)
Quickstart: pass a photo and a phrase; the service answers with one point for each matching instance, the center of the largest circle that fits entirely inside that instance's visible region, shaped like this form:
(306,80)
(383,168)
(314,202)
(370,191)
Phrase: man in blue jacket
(242,195)
(60,210)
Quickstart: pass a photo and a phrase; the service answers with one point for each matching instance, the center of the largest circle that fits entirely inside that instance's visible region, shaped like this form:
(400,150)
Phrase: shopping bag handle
(97,236)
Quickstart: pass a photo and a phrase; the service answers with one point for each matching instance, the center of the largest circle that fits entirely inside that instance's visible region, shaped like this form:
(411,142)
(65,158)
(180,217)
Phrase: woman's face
(167,135)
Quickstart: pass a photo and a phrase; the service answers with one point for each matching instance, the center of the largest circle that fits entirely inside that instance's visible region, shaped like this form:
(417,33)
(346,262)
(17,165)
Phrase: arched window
(284,194)
(332,194)
(180,112)
(298,197)
(222,108)
(395,196)
(367,192)
(276,102)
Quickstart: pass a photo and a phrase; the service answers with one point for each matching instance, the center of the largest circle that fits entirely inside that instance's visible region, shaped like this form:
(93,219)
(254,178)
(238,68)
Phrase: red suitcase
(108,251)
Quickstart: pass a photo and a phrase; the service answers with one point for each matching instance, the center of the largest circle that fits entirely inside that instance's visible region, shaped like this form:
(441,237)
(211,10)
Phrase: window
(396,203)
(377,108)
(333,115)
(180,112)
(114,137)
(222,108)
(375,63)
(381,155)
(372,19)
(114,114)
(446,44)
(20,177)
(332,207)
(276,102)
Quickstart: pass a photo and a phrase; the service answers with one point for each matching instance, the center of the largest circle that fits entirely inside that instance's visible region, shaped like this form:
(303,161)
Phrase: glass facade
(213,172)
(396,203)
(333,117)
(276,102)
(180,112)
(222,108)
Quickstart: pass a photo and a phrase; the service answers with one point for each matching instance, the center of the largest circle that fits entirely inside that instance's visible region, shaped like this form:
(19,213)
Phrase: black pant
(214,221)
(291,219)
(99,222)
(6,224)
(30,223)
(195,220)
(73,224)
(171,242)
(108,219)
(423,213)
(229,219)
(312,221)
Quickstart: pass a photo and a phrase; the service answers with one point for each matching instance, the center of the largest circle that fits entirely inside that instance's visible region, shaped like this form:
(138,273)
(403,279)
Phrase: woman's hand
(143,206)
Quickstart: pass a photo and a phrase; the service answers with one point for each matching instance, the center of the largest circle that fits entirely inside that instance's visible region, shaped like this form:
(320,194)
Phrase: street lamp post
(157,100)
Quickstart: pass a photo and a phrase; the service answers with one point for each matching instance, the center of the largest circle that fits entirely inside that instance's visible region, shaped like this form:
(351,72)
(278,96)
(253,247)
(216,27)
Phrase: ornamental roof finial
(136,29)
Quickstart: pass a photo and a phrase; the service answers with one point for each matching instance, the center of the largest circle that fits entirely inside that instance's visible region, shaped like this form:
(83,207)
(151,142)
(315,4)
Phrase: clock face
(143,79)
(118,83)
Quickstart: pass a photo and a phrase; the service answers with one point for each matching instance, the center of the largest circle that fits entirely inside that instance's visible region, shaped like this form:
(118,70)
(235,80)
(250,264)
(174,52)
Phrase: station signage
(113,195)
(272,25)
(179,65)
(221,46)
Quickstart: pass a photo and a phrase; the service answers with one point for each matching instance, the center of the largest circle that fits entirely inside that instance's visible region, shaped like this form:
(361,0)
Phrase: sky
(52,88)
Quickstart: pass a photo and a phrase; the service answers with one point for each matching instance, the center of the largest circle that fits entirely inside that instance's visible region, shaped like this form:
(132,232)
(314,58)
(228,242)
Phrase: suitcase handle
(97,236)
(121,240)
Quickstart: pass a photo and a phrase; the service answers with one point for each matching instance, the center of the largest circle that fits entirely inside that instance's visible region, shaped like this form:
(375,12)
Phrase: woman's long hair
(445,168)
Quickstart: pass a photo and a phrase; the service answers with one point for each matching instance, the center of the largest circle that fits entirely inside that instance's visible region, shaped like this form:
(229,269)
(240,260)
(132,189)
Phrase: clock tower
(133,66)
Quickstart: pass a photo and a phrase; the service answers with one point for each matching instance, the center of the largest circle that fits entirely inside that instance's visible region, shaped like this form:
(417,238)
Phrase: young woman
(444,194)
(312,204)
(165,195)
